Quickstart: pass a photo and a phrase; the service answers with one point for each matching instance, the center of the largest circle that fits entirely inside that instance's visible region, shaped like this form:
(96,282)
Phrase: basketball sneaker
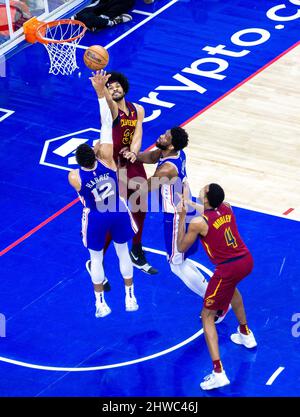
(248,340)
(131,303)
(106,284)
(215,380)
(139,260)
(123,18)
(102,309)
(221,314)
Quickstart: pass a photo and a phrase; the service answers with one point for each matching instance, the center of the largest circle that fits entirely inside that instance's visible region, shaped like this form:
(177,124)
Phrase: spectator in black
(105,13)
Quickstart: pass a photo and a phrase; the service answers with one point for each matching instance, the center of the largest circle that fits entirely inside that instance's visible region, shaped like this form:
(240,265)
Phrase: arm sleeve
(106,122)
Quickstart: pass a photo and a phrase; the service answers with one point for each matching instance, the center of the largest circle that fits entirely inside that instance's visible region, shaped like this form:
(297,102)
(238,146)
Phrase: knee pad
(97,271)
(125,263)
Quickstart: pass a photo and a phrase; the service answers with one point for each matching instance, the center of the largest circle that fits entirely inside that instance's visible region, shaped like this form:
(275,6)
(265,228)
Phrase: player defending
(104,210)
(127,136)
(170,176)
(220,238)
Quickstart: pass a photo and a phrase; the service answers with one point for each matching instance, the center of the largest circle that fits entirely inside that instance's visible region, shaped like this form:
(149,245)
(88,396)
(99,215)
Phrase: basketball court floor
(227,70)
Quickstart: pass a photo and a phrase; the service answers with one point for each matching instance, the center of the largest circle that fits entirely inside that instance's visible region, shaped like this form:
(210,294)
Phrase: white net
(62,54)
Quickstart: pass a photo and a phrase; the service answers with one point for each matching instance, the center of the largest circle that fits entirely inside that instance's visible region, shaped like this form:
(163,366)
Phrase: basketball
(96,57)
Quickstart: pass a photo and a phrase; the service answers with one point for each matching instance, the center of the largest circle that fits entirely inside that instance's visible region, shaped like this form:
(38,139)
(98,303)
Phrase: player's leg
(97,276)
(106,284)
(217,297)
(190,276)
(138,205)
(122,230)
(94,229)
(244,335)
(218,377)
(236,271)
(183,268)
(126,270)
(137,253)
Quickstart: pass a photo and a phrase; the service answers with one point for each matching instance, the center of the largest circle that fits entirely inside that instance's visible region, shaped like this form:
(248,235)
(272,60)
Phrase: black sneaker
(106,284)
(139,260)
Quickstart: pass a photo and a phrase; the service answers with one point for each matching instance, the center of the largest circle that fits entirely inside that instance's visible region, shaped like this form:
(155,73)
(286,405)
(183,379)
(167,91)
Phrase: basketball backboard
(13,14)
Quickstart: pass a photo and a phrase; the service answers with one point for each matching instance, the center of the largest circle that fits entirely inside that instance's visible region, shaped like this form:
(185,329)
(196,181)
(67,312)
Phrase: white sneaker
(131,303)
(215,380)
(248,340)
(102,310)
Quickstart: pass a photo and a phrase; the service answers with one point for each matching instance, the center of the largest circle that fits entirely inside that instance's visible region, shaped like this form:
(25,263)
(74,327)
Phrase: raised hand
(181,206)
(99,80)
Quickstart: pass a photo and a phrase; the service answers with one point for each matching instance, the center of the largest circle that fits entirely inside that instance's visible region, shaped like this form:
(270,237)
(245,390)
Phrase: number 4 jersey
(222,242)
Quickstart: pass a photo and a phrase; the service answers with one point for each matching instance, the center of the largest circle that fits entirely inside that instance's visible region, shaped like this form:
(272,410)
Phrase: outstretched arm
(149,157)
(104,148)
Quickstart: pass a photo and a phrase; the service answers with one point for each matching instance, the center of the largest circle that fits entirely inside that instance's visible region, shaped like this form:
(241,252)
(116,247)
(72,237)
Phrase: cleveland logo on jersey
(128,122)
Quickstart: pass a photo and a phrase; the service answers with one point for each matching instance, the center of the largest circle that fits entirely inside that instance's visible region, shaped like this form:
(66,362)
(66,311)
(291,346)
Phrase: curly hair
(180,138)
(119,78)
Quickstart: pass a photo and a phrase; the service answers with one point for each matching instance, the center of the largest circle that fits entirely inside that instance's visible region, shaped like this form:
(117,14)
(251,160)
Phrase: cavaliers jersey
(99,188)
(168,191)
(123,130)
(222,242)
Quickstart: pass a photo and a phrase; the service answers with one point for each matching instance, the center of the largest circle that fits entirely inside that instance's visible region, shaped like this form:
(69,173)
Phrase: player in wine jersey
(104,210)
(127,137)
(170,177)
(223,244)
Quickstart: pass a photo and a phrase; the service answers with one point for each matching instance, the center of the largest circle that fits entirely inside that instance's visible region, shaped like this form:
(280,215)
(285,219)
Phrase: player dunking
(221,240)
(104,210)
(127,136)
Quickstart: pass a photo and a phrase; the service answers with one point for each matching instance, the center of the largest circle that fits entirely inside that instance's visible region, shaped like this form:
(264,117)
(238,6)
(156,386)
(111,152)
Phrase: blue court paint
(46,294)
(59,328)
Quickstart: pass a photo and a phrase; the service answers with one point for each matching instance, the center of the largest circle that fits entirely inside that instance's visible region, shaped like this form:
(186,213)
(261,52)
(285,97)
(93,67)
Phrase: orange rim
(43,27)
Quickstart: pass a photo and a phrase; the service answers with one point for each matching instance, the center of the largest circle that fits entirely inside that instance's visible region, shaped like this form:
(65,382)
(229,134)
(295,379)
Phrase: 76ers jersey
(223,242)
(168,191)
(104,210)
(99,188)
(123,130)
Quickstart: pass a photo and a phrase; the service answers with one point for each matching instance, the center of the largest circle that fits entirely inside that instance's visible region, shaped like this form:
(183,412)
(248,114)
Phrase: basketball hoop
(60,38)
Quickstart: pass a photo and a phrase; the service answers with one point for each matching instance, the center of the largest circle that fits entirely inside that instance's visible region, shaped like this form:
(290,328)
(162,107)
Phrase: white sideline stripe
(115,365)
(270,213)
(274,375)
(166,6)
(141,12)
(98,368)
